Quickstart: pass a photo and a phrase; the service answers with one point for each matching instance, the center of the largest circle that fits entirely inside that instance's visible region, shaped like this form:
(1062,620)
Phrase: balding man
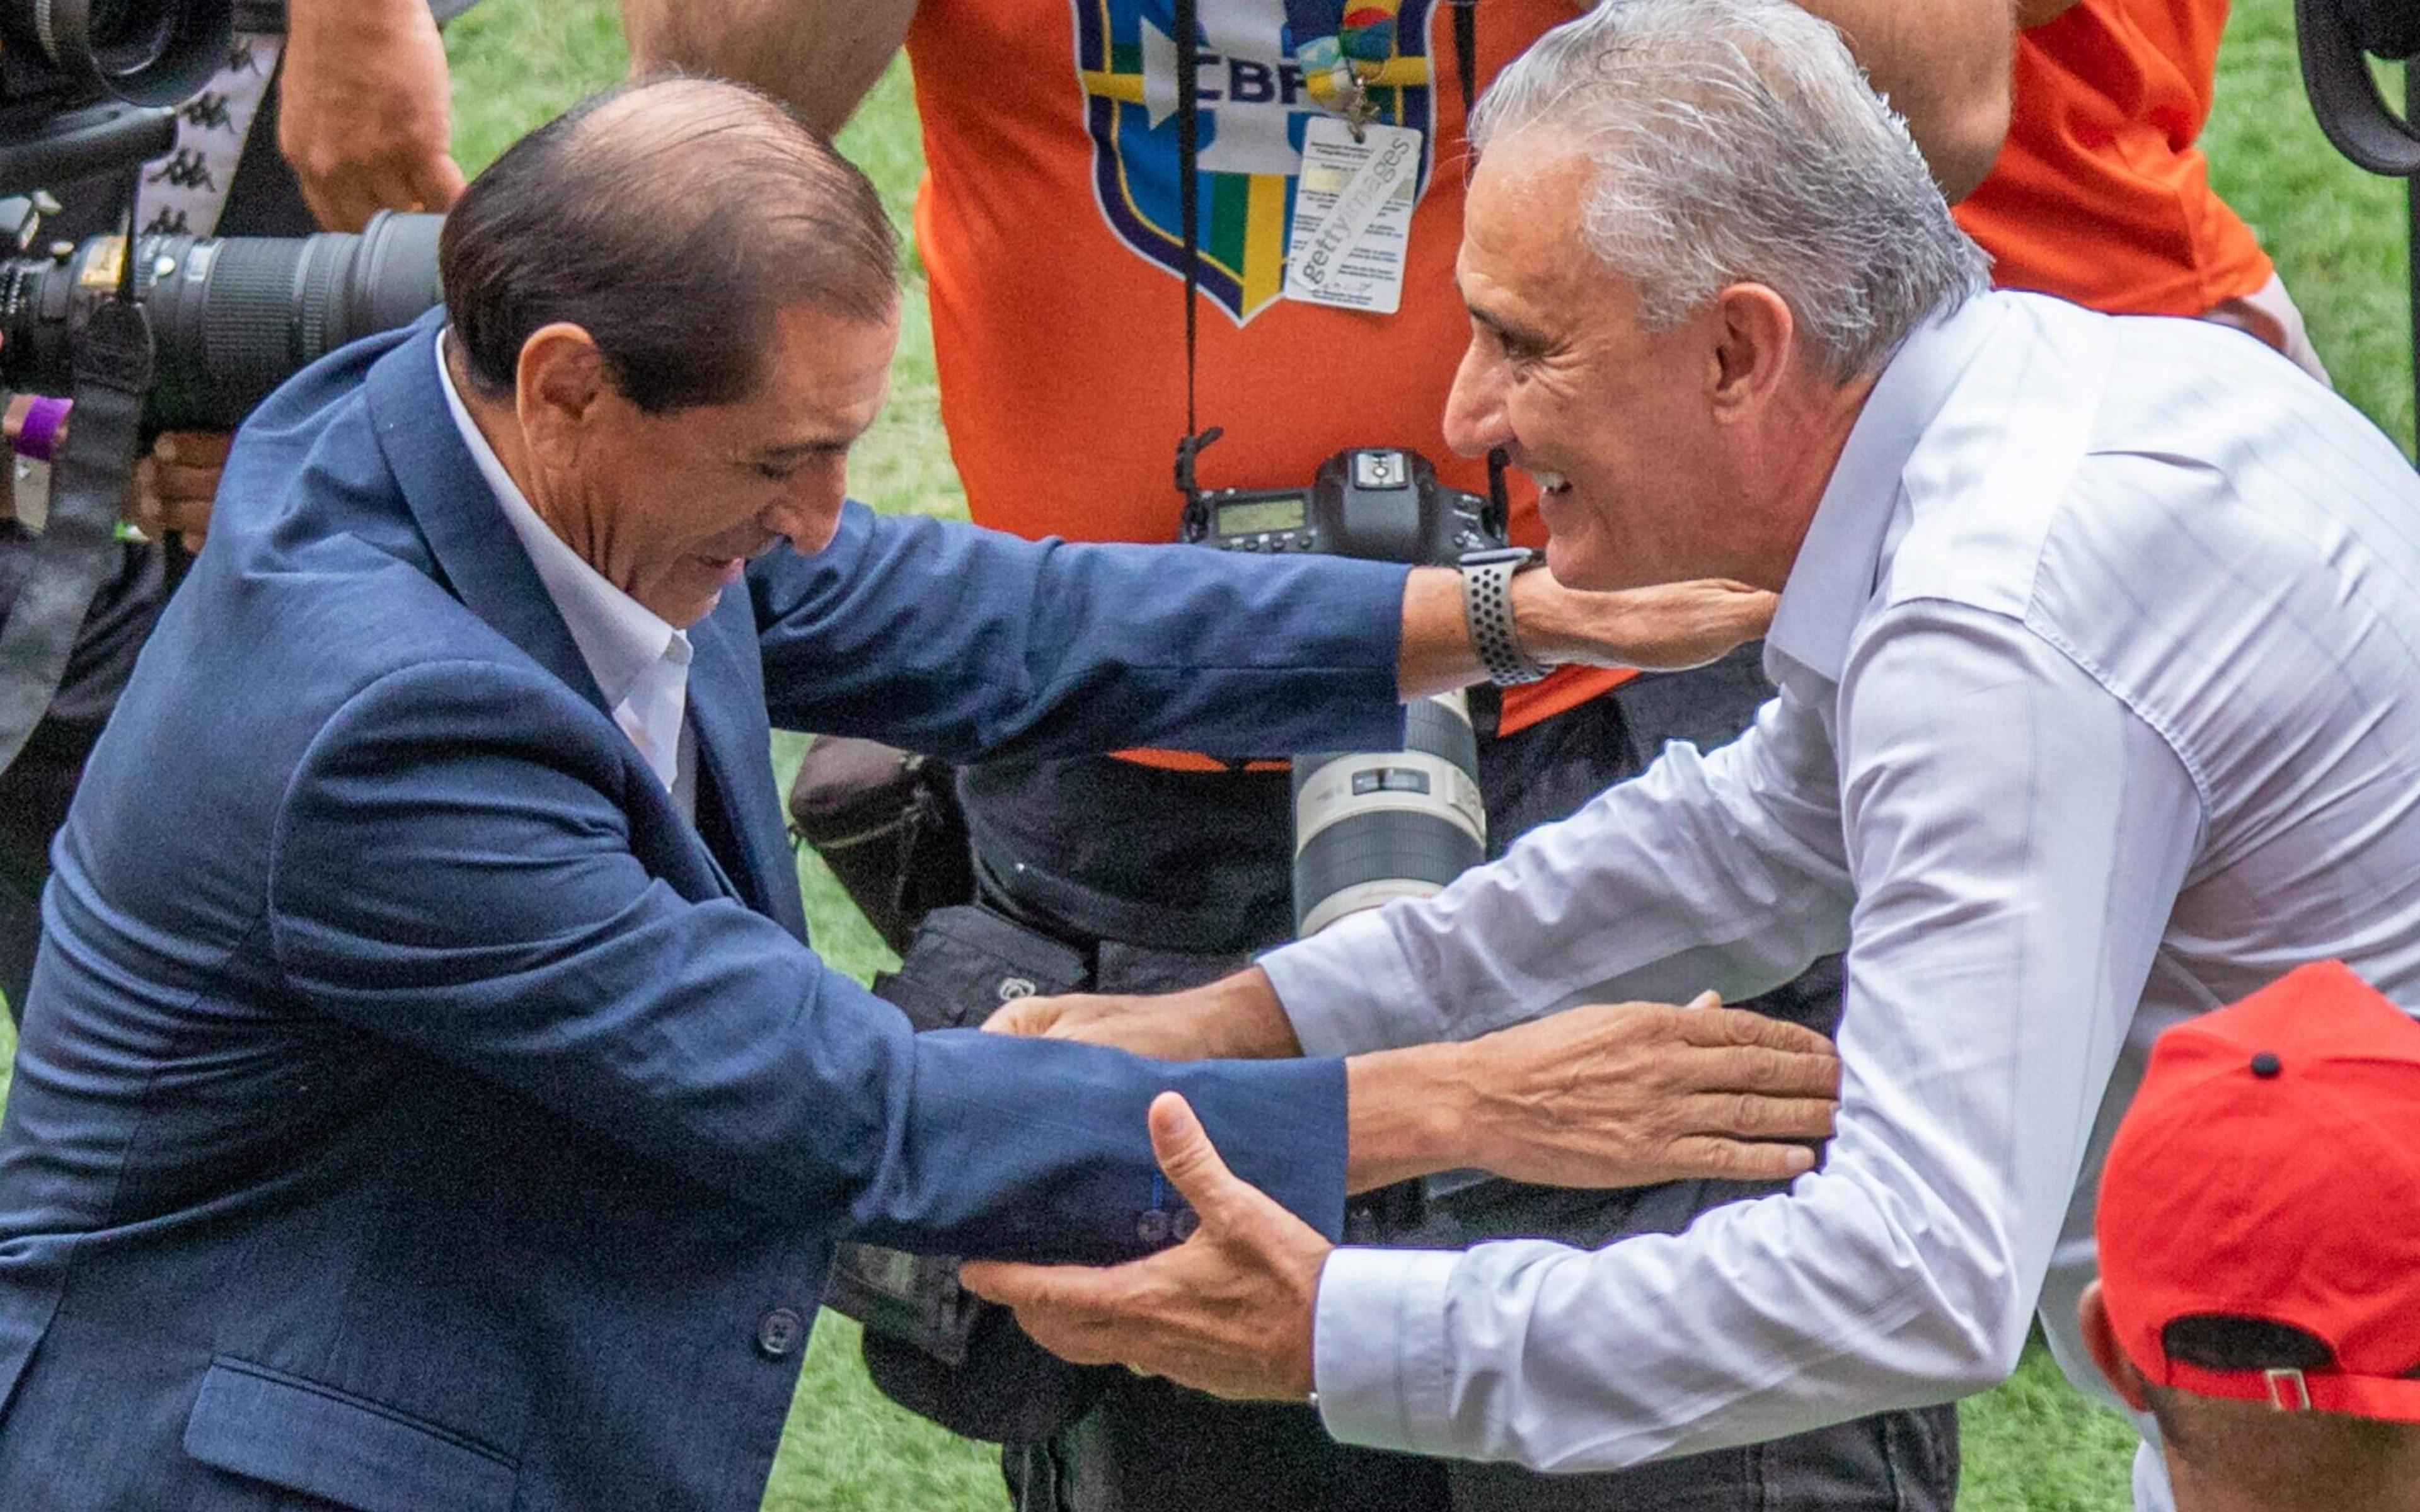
(438,1106)
(2096,653)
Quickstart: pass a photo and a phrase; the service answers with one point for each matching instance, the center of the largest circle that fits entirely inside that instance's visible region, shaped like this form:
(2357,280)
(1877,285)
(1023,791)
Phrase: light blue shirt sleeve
(2018,835)
(1722,870)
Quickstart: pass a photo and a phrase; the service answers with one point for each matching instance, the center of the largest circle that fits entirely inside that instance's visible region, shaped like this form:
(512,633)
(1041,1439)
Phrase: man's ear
(2101,1338)
(1756,339)
(558,387)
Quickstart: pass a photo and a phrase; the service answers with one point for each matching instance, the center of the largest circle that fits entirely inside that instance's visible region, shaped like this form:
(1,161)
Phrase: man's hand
(1603,1095)
(173,487)
(1227,1311)
(1664,629)
(1236,1018)
(365,115)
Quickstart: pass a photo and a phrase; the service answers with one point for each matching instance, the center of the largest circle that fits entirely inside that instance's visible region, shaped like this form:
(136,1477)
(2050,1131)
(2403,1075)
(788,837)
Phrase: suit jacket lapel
(726,702)
(482,561)
(480,557)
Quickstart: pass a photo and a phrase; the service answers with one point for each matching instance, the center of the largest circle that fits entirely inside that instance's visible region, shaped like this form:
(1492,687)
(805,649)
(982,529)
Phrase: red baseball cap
(2269,1168)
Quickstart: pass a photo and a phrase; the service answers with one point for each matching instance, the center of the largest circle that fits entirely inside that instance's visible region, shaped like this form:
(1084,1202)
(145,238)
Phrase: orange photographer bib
(1049,225)
(2100,194)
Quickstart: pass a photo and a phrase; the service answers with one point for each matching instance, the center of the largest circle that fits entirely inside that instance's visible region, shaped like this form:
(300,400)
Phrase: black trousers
(1092,851)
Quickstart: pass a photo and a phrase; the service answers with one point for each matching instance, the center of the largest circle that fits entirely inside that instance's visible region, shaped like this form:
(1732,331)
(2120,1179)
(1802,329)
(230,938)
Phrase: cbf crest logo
(1253,108)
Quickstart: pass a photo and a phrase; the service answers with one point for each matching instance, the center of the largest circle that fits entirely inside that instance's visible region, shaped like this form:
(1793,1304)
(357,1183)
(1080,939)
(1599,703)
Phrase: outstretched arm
(2019,837)
(962,641)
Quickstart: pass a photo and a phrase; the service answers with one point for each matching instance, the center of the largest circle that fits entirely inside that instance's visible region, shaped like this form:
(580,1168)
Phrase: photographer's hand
(174,485)
(1663,629)
(366,115)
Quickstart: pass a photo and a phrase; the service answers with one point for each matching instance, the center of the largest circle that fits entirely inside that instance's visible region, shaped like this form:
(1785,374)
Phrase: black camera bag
(888,824)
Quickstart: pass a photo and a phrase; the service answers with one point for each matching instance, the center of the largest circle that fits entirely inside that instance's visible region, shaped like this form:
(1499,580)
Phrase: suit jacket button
(779,1334)
(1183,1225)
(1152,1228)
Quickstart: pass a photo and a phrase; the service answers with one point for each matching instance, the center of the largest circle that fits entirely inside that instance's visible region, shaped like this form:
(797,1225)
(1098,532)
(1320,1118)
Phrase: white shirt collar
(1838,564)
(639,660)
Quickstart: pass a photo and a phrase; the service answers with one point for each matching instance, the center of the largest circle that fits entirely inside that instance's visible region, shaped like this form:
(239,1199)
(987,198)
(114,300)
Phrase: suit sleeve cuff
(1378,1348)
(1348,990)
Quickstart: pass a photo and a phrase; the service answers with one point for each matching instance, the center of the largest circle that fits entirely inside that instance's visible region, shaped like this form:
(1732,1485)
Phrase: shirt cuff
(1378,1348)
(1348,990)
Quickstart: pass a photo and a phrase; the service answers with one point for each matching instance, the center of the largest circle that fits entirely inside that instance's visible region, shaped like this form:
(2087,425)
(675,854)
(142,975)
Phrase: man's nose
(1474,411)
(808,522)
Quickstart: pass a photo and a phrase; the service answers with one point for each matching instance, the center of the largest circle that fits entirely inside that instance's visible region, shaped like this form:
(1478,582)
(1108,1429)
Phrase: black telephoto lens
(231,318)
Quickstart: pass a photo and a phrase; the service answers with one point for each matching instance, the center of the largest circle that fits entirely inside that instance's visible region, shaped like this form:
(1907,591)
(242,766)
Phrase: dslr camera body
(1373,826)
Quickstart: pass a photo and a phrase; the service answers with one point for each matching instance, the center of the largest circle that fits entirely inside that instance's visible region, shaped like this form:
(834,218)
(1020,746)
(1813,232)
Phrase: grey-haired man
(2096,648)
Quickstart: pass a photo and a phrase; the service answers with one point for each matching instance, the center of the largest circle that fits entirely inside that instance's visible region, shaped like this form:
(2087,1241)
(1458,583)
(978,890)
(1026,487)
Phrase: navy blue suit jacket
(414,1115)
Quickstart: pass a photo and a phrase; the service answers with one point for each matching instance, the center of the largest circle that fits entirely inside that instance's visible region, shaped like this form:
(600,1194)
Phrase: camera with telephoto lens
(231,318)
(1370,825)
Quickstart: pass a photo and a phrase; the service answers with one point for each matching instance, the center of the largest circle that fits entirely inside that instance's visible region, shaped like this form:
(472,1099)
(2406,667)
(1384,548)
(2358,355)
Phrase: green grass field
(2033,1446)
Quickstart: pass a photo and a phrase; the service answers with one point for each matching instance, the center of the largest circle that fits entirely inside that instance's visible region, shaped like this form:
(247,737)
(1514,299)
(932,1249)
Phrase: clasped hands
(1604,1095)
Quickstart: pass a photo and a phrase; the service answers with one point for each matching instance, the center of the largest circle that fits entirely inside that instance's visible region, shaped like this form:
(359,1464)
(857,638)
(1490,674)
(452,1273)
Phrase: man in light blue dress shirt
(2098,658)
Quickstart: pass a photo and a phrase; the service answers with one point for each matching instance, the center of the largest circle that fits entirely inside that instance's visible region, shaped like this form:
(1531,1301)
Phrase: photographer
(325,111)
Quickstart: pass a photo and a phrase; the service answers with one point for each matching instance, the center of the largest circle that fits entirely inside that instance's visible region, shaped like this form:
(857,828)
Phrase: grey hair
(1737,141)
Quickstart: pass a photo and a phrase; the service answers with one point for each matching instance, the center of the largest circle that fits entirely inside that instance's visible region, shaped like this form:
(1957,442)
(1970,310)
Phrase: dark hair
(670,218)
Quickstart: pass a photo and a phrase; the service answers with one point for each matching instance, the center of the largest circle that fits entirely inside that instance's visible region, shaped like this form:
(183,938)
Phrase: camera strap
(78,546)
(1319,28)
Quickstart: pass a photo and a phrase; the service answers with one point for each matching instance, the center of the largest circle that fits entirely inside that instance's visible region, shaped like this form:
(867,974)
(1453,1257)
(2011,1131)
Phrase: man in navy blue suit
(437,1107)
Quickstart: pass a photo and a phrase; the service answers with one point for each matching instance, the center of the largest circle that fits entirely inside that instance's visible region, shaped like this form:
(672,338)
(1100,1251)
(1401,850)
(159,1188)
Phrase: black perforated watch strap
(1487,611)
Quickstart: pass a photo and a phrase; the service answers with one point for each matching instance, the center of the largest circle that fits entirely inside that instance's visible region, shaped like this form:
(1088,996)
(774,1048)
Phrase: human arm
(2019,837)
(960,640)
(817,57)
(1722,870)
(454,869)
(365,113)
(1946,65)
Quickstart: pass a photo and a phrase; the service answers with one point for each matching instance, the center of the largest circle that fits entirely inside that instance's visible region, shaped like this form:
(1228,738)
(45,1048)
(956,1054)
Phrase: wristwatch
(1487,611)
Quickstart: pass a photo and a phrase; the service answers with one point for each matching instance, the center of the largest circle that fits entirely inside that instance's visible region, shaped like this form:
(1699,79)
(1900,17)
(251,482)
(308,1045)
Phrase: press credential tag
(1353,215)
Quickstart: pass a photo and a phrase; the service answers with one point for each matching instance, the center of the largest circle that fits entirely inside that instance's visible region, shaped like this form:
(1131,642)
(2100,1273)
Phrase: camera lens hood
(153,52)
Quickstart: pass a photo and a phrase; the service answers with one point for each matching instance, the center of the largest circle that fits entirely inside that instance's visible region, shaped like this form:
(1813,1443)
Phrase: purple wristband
(40,432)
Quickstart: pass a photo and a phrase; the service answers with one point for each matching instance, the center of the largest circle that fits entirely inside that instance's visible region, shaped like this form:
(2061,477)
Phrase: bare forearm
(817,57)
(1663,629)
(1945,65)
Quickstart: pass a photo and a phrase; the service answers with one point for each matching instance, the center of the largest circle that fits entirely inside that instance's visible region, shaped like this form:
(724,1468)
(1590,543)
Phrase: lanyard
(1361,35)
(1342,46)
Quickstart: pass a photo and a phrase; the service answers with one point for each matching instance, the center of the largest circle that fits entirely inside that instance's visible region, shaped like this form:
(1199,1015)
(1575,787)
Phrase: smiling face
(669,507)
(1659,456)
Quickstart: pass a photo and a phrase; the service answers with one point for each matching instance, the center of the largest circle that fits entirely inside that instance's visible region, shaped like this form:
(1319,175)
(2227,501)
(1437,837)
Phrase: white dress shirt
(639,661)
(2099,707)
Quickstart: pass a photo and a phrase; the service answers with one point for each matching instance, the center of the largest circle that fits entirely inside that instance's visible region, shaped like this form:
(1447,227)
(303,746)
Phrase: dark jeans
(1090,850)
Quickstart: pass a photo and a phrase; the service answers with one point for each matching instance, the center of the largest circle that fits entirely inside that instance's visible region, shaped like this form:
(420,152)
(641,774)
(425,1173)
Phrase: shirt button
(779,1334)
(1152,1228)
